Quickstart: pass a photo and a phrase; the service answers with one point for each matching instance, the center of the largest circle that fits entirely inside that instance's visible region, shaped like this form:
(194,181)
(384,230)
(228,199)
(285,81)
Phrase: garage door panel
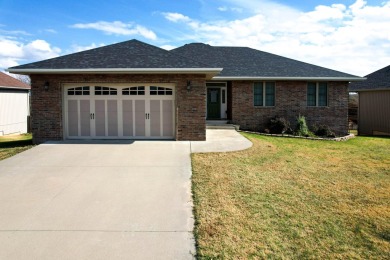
(140,117)
(112,117)
(167,112)
(73,118)
(119,112)
(100,117)
(127,112)
(85,117)
(155,118)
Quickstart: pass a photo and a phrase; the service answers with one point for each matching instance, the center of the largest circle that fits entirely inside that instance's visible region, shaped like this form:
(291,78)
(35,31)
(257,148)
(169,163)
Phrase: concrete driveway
(103,200)
(97,200)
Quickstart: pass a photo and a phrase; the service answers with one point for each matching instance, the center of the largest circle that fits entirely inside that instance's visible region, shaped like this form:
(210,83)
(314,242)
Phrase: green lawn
(14,144)
(288,198)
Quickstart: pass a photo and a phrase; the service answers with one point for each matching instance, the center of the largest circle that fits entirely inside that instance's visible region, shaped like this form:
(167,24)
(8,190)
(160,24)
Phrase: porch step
(219,124)
(226,126)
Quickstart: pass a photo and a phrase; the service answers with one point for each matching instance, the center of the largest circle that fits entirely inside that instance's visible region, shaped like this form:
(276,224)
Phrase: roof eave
(119,70)
(349,79)
(11,87)
(367,89)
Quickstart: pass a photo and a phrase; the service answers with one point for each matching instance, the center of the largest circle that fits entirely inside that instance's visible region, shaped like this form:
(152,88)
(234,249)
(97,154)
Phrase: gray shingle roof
(379,79)
(247,62)
(128,54)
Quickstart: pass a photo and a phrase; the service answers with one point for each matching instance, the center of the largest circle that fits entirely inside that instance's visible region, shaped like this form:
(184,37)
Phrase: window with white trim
(317,94)
(264,94)
(79,91)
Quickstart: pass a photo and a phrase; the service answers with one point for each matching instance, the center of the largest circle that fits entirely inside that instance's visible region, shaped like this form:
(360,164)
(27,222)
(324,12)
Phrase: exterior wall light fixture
(46,86)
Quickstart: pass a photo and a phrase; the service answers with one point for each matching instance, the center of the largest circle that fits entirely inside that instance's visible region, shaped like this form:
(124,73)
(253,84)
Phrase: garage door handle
(92,115)
(147,116)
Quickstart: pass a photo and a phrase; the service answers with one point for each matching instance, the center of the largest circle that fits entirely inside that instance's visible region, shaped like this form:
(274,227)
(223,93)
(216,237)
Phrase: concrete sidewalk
(221,140)
(103,199)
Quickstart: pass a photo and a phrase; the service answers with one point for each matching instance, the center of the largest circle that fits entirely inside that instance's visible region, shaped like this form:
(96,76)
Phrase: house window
(264,94)
(154,90)
(105,91)
(78,91)
(134,91)
(317,94)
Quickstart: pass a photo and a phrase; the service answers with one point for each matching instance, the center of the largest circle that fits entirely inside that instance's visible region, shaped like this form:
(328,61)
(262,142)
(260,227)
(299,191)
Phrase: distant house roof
(7,81)
(124,57)
(377,80)
(247,63)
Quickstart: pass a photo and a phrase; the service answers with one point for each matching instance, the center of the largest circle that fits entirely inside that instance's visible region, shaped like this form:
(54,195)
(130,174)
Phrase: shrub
(278,125)
(301,128)
(323,130)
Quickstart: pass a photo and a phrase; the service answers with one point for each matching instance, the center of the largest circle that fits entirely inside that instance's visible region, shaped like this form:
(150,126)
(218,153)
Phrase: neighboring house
(14,105)
(374,103)
(135,90)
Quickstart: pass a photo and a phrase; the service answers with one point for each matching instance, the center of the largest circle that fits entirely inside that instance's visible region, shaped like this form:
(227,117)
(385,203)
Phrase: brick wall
(290,101)
(47,114)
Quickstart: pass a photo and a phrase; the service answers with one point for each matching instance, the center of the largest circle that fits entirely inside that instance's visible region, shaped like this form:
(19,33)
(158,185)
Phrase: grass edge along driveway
(294,198)
(11,145)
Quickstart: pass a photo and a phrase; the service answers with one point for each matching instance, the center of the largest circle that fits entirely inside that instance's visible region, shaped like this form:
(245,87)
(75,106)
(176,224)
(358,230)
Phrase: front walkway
(221,140)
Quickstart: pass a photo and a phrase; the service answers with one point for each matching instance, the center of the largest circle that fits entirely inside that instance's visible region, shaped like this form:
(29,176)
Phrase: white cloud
(50,30)
(118,28)
(222,8)
(234,9)
(176,17)
(78,48)
(13,52)
(353,39)
(168,47)
(14,32)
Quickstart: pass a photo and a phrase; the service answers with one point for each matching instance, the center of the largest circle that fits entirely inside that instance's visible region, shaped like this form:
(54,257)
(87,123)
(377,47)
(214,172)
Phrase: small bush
(323,131)
(278,125)
(301,128)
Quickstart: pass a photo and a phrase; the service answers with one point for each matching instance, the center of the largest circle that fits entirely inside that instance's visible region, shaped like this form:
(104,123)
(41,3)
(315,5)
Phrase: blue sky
(350,36)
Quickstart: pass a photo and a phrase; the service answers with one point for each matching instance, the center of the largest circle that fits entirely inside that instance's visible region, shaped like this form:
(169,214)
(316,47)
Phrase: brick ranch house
(133,90)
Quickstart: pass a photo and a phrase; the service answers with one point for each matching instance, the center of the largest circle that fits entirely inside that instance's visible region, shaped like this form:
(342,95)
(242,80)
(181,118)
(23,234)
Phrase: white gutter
(291,78)
(21,88)
(367,89)
(119,70)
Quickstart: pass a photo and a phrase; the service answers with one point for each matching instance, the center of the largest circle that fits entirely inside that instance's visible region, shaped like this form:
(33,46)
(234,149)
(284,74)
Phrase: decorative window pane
(161,91)
(106,91)
(79,91)
(322,94)
(223,96)
(216,84)
(269,93)
(134,91)
(317,94)
(258,94)
(311,94)
(264,94)
(214,96)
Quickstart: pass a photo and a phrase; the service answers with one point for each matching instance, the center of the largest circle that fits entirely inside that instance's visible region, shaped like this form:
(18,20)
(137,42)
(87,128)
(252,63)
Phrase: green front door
(213,103)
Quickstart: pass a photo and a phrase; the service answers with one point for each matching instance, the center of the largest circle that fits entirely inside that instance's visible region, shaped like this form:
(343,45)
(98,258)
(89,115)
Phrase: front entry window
(214,96)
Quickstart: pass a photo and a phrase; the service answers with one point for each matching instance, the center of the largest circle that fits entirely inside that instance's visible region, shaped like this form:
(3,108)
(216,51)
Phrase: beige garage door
(103,111)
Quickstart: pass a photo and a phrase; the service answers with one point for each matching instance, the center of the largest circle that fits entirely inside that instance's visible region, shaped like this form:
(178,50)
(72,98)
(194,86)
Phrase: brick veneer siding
(290,101)
(47,106)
